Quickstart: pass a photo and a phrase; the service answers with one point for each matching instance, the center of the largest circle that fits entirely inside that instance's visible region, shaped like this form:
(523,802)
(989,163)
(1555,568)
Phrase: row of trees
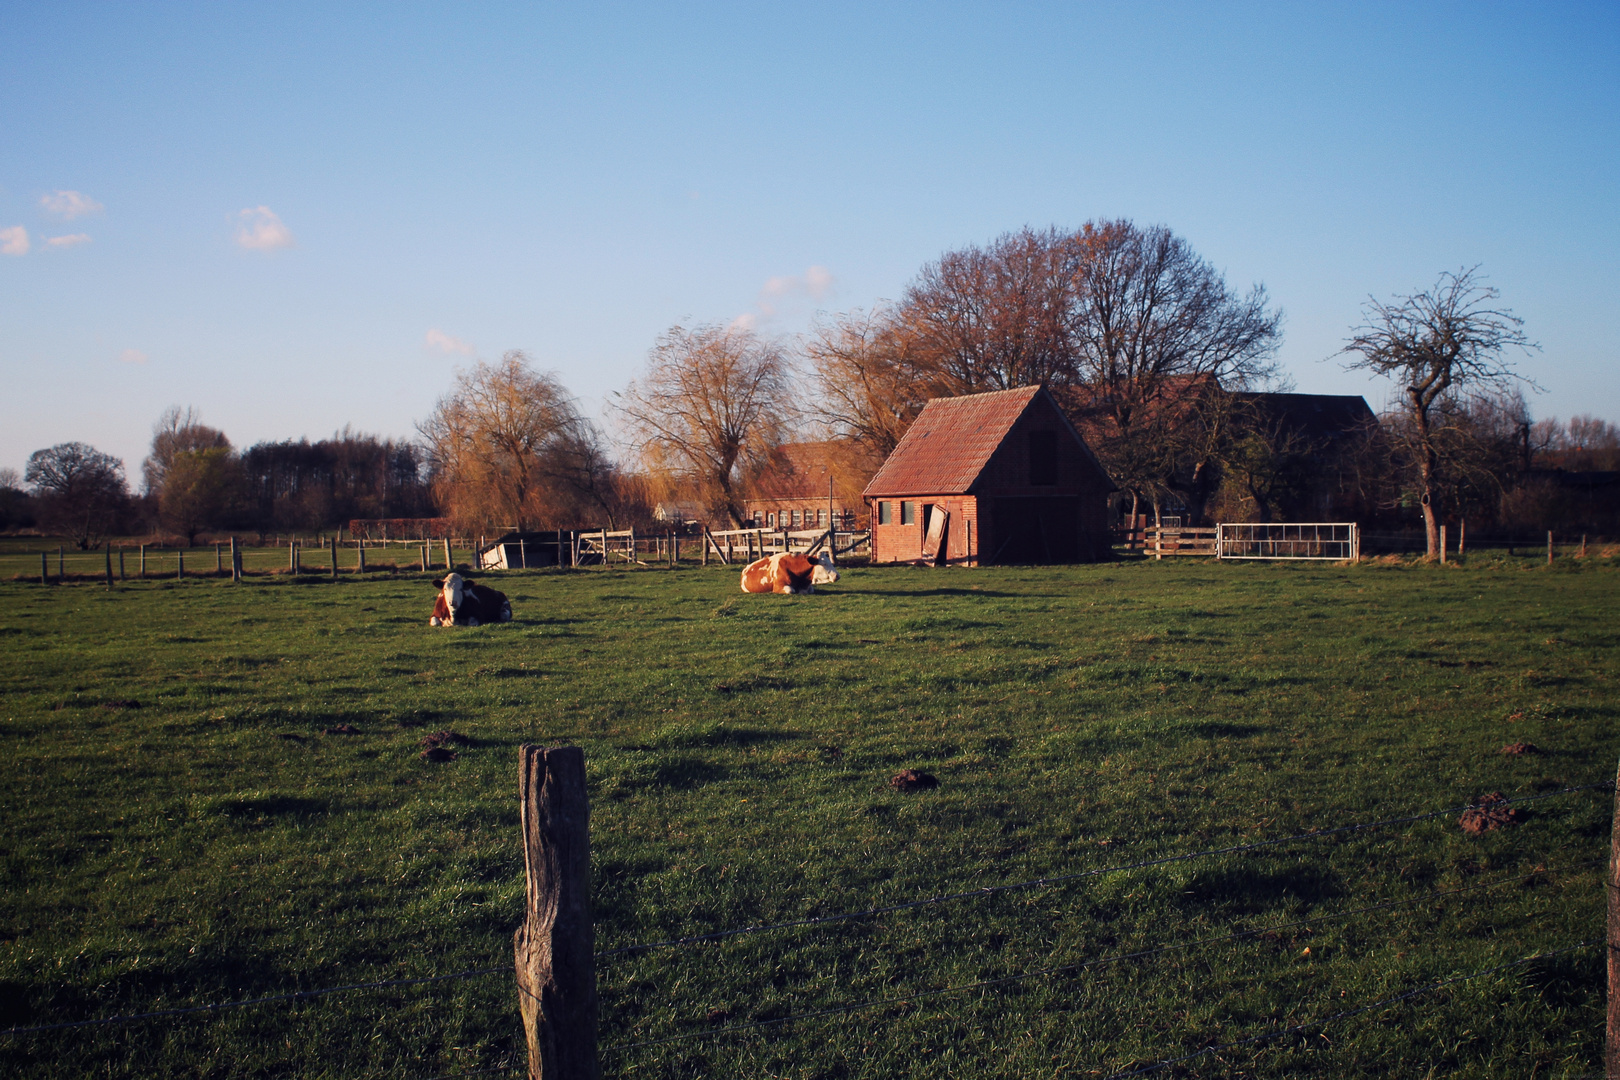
(1159,362)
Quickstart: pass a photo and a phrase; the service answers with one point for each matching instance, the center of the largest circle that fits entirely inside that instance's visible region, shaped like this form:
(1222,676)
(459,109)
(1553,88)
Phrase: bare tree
(873,381)
(177,431)
(1156,334)
(714,401)
(996,317)
(80,490)
(503,444)
(1436,345)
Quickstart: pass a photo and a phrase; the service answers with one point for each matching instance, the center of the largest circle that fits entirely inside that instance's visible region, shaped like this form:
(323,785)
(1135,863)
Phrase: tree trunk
(1428,463)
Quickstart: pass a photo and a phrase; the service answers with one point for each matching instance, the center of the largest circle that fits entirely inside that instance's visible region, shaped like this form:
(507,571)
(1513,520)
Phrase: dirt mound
(445,738)
(912,780)
(1490,812)
(341,729)
(1521,747)
(438,754)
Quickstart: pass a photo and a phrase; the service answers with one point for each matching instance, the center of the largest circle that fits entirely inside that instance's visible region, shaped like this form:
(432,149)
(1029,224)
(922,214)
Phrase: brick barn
(987,479)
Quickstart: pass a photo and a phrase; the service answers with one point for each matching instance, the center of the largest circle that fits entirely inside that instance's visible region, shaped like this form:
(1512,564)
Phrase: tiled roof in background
(949,444)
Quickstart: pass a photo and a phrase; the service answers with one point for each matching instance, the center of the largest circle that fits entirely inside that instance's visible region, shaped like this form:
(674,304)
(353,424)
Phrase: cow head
(825,573)
(453,591)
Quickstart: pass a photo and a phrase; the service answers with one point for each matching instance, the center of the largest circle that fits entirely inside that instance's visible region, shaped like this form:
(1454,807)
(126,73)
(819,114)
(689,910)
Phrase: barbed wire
(1061,969)
(294,996)
(908,905)
(1294,1029)
(1041,882)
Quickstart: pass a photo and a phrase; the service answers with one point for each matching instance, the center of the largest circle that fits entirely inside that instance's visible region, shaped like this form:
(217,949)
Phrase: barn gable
(994,477)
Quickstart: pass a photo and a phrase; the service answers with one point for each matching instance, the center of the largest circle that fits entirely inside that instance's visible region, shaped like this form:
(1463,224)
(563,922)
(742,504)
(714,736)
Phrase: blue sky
(296,217)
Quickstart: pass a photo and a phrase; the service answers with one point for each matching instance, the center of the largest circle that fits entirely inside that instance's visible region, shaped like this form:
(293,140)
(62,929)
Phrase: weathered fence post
(523,553)
(236,561)
(44,569)
(553,949)
(334,558)
(448,565)
(360,558)
(219,560)
(1611,1042)
(143,560)
(180,564)
(109,566)
(61,574)
(1549,547)
(292,556)
(424,558)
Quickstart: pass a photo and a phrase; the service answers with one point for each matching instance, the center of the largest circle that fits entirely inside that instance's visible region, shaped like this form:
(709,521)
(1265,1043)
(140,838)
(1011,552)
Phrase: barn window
(795,517)
(821,517)
(908,513)
(883,514)
(770,519)
(1043,458)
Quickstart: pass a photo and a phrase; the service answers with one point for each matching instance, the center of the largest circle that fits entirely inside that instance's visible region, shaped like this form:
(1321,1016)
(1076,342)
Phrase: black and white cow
(462,602)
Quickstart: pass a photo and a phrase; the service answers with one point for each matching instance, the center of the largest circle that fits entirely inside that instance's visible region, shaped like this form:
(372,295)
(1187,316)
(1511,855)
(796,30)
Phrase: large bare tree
(995,317)
(714,402)
(507,446)
(1438,345)
(1156,336)
(873,379)
(80,490)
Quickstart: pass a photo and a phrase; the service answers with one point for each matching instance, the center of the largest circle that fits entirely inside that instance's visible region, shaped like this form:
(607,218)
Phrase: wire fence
(911,999)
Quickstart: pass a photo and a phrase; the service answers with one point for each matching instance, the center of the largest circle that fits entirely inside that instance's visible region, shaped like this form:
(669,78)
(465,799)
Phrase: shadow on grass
(1252,891)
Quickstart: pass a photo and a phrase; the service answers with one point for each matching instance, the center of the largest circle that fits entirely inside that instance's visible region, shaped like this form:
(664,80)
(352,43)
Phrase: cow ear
(439,584)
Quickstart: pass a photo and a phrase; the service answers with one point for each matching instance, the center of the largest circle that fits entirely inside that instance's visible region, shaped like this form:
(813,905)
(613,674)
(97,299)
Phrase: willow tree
(1438,345)
(506,447)
(713,404)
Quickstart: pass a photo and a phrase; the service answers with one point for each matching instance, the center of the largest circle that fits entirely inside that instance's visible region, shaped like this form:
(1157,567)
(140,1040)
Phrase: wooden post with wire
(1611,1042)
(554,948)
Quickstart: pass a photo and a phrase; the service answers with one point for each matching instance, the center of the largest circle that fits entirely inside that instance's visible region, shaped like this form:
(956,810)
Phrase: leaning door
(938,530)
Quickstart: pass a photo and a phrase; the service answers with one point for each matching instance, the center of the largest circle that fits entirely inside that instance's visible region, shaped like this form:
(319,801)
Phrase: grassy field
(181,825)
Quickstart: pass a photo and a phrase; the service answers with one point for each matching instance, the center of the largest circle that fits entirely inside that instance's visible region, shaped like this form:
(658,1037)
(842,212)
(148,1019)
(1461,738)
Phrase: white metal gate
(1338,541)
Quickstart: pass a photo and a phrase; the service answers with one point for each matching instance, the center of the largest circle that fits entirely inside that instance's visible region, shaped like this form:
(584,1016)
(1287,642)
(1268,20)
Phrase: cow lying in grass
(463,603)
(788,573)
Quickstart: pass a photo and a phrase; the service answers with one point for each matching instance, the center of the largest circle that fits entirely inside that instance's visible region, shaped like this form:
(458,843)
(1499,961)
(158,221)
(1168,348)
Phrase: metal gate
(1338,541)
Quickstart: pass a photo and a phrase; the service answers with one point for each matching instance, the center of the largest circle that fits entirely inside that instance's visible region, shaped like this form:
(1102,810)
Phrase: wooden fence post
(109,566)
(553,949)
(292,556)
(61,575)
(448,565)
(180,564)
(44,569)
(334,558)
(360,557)
(236,561)
(1611,1042)
(143,560)
(1549,547)
(424,558)
(523,553)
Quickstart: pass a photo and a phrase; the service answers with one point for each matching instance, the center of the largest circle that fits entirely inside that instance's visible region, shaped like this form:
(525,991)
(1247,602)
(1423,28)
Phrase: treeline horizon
(1168,373)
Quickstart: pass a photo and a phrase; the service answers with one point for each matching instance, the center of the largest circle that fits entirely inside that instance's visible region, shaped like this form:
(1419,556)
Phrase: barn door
(938,529)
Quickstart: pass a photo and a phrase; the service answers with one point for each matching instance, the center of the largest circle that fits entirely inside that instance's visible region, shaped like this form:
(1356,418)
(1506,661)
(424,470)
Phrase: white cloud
(438,339)
(815,283)
(746,321)
(70,240)
(68,205)
(14,241)
(132,356)
(262,230)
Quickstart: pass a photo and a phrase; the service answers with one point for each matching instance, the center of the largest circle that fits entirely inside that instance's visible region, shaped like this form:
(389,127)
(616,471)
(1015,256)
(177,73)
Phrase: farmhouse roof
(798,471)
(947,447)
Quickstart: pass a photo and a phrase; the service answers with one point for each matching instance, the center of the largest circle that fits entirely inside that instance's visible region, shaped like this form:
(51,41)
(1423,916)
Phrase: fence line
(1061,969)
(1347,1013)
(990,890)
(295,996)
(986,891)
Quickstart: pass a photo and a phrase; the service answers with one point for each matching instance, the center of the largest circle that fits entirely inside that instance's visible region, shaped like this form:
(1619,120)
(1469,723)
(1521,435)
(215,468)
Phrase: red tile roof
(949,444)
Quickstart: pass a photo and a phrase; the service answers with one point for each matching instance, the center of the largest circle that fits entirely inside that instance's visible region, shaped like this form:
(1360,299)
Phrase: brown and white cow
(462,602)
(788,573)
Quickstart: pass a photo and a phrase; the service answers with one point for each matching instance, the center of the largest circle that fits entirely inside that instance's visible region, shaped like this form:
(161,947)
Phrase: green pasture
(181,823)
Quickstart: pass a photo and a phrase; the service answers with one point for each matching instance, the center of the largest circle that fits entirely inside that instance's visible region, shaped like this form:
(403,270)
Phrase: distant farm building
(521,551)
(987,479)
(794,490)
(679,513)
